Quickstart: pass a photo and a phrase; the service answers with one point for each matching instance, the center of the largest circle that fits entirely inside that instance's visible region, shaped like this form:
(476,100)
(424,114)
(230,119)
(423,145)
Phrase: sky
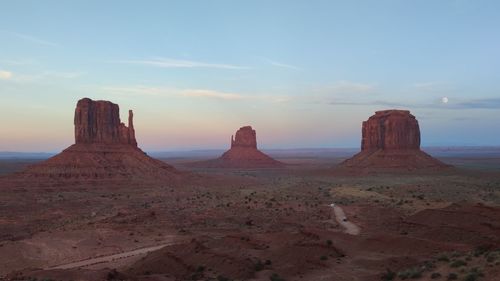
(302,73)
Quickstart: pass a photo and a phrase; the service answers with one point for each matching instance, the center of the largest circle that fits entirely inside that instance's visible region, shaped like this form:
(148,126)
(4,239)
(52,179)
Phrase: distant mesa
(391,140)
(104,149)
(242,154)
(99,122)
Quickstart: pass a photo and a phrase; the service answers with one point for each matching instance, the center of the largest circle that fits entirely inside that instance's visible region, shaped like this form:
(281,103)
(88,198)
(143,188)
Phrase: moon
(444,100)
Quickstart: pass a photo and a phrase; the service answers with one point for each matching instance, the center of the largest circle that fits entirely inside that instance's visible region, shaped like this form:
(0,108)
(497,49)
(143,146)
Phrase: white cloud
(27,78)
(282,65)
(17,62)
(5,75)
(176,63)
(348,87)
(432,86)
(31,39)
(190,93)
(211,94)
(163,91)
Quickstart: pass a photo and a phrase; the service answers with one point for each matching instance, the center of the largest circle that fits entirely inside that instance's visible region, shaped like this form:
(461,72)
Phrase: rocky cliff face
(391,141)
(243,153)
(99,122)
(105,149)
(391,129)
(245,137)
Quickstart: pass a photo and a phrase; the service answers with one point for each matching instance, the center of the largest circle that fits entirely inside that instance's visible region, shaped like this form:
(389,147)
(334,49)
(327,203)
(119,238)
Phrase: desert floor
(264,224)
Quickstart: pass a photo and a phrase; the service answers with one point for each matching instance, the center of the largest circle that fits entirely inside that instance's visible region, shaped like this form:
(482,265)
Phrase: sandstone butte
(243,153)
(104,149)
(391,140)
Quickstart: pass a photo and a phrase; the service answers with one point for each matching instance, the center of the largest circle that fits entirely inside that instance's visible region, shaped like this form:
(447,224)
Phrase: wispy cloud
(486,103)
(165,91)
(5,75)
(30,38)
(343,88)
(177,63)
(17,62)
(44,76)
(432,86)
(211,94)
(190,93)
(280,64)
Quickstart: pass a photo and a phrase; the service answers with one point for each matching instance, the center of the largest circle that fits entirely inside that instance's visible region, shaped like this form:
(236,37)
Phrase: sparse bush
(471,276)
(323,258)
(200,268)
(435,275)
(389,275)
(412,273)
(491,258)
(276,277)
(444,258)
(222,278)
(452,276)
(329,242)
(457,263)
(258,266)
(480,250)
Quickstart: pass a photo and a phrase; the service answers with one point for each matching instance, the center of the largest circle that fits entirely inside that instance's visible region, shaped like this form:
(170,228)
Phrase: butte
(391,141)
(243,153)
(105,149)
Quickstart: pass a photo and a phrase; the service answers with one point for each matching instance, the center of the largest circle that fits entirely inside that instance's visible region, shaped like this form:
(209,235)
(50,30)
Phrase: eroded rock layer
(243,153)
(104,149)
(391,140)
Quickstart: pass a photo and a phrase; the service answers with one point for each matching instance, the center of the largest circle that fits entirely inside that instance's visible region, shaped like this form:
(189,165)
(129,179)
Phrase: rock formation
(99,122)
(243,153)
(391,140)
(245,137)
(104,149)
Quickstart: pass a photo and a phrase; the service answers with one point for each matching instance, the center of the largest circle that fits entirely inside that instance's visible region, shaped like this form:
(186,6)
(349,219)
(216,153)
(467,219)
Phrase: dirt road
(110,258)
(350,228)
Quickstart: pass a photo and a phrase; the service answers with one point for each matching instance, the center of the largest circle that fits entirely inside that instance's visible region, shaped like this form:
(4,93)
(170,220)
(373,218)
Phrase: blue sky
(303,73)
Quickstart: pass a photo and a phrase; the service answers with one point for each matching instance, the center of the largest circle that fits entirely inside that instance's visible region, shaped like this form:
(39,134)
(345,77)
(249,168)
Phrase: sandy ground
(350,228)
(251,224)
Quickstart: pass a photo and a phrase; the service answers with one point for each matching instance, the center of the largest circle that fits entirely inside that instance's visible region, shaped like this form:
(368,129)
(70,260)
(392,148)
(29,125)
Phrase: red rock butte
(391,140)
(104,149)
(243,153)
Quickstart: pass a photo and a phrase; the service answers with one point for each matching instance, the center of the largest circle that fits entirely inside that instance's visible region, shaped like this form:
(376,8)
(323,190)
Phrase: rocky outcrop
(99,122)
(391,140)
(104,149)
(391,129)
(243,153)
(245,137)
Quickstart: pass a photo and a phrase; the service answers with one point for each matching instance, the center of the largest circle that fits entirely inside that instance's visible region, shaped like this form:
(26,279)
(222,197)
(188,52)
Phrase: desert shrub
(480,250)
(389,275)
(222,278)
(200,268)
(276,277)
(457,263)
(329,242)
(258,266)
(474,274)
(491,258)
(452,276)
(471,276)
(412,273)
(323,258)
(268,262)
(443,257)
(435,275)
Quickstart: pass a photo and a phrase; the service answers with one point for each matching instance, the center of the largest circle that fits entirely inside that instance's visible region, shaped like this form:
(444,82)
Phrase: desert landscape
(104,210)
(222,140)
